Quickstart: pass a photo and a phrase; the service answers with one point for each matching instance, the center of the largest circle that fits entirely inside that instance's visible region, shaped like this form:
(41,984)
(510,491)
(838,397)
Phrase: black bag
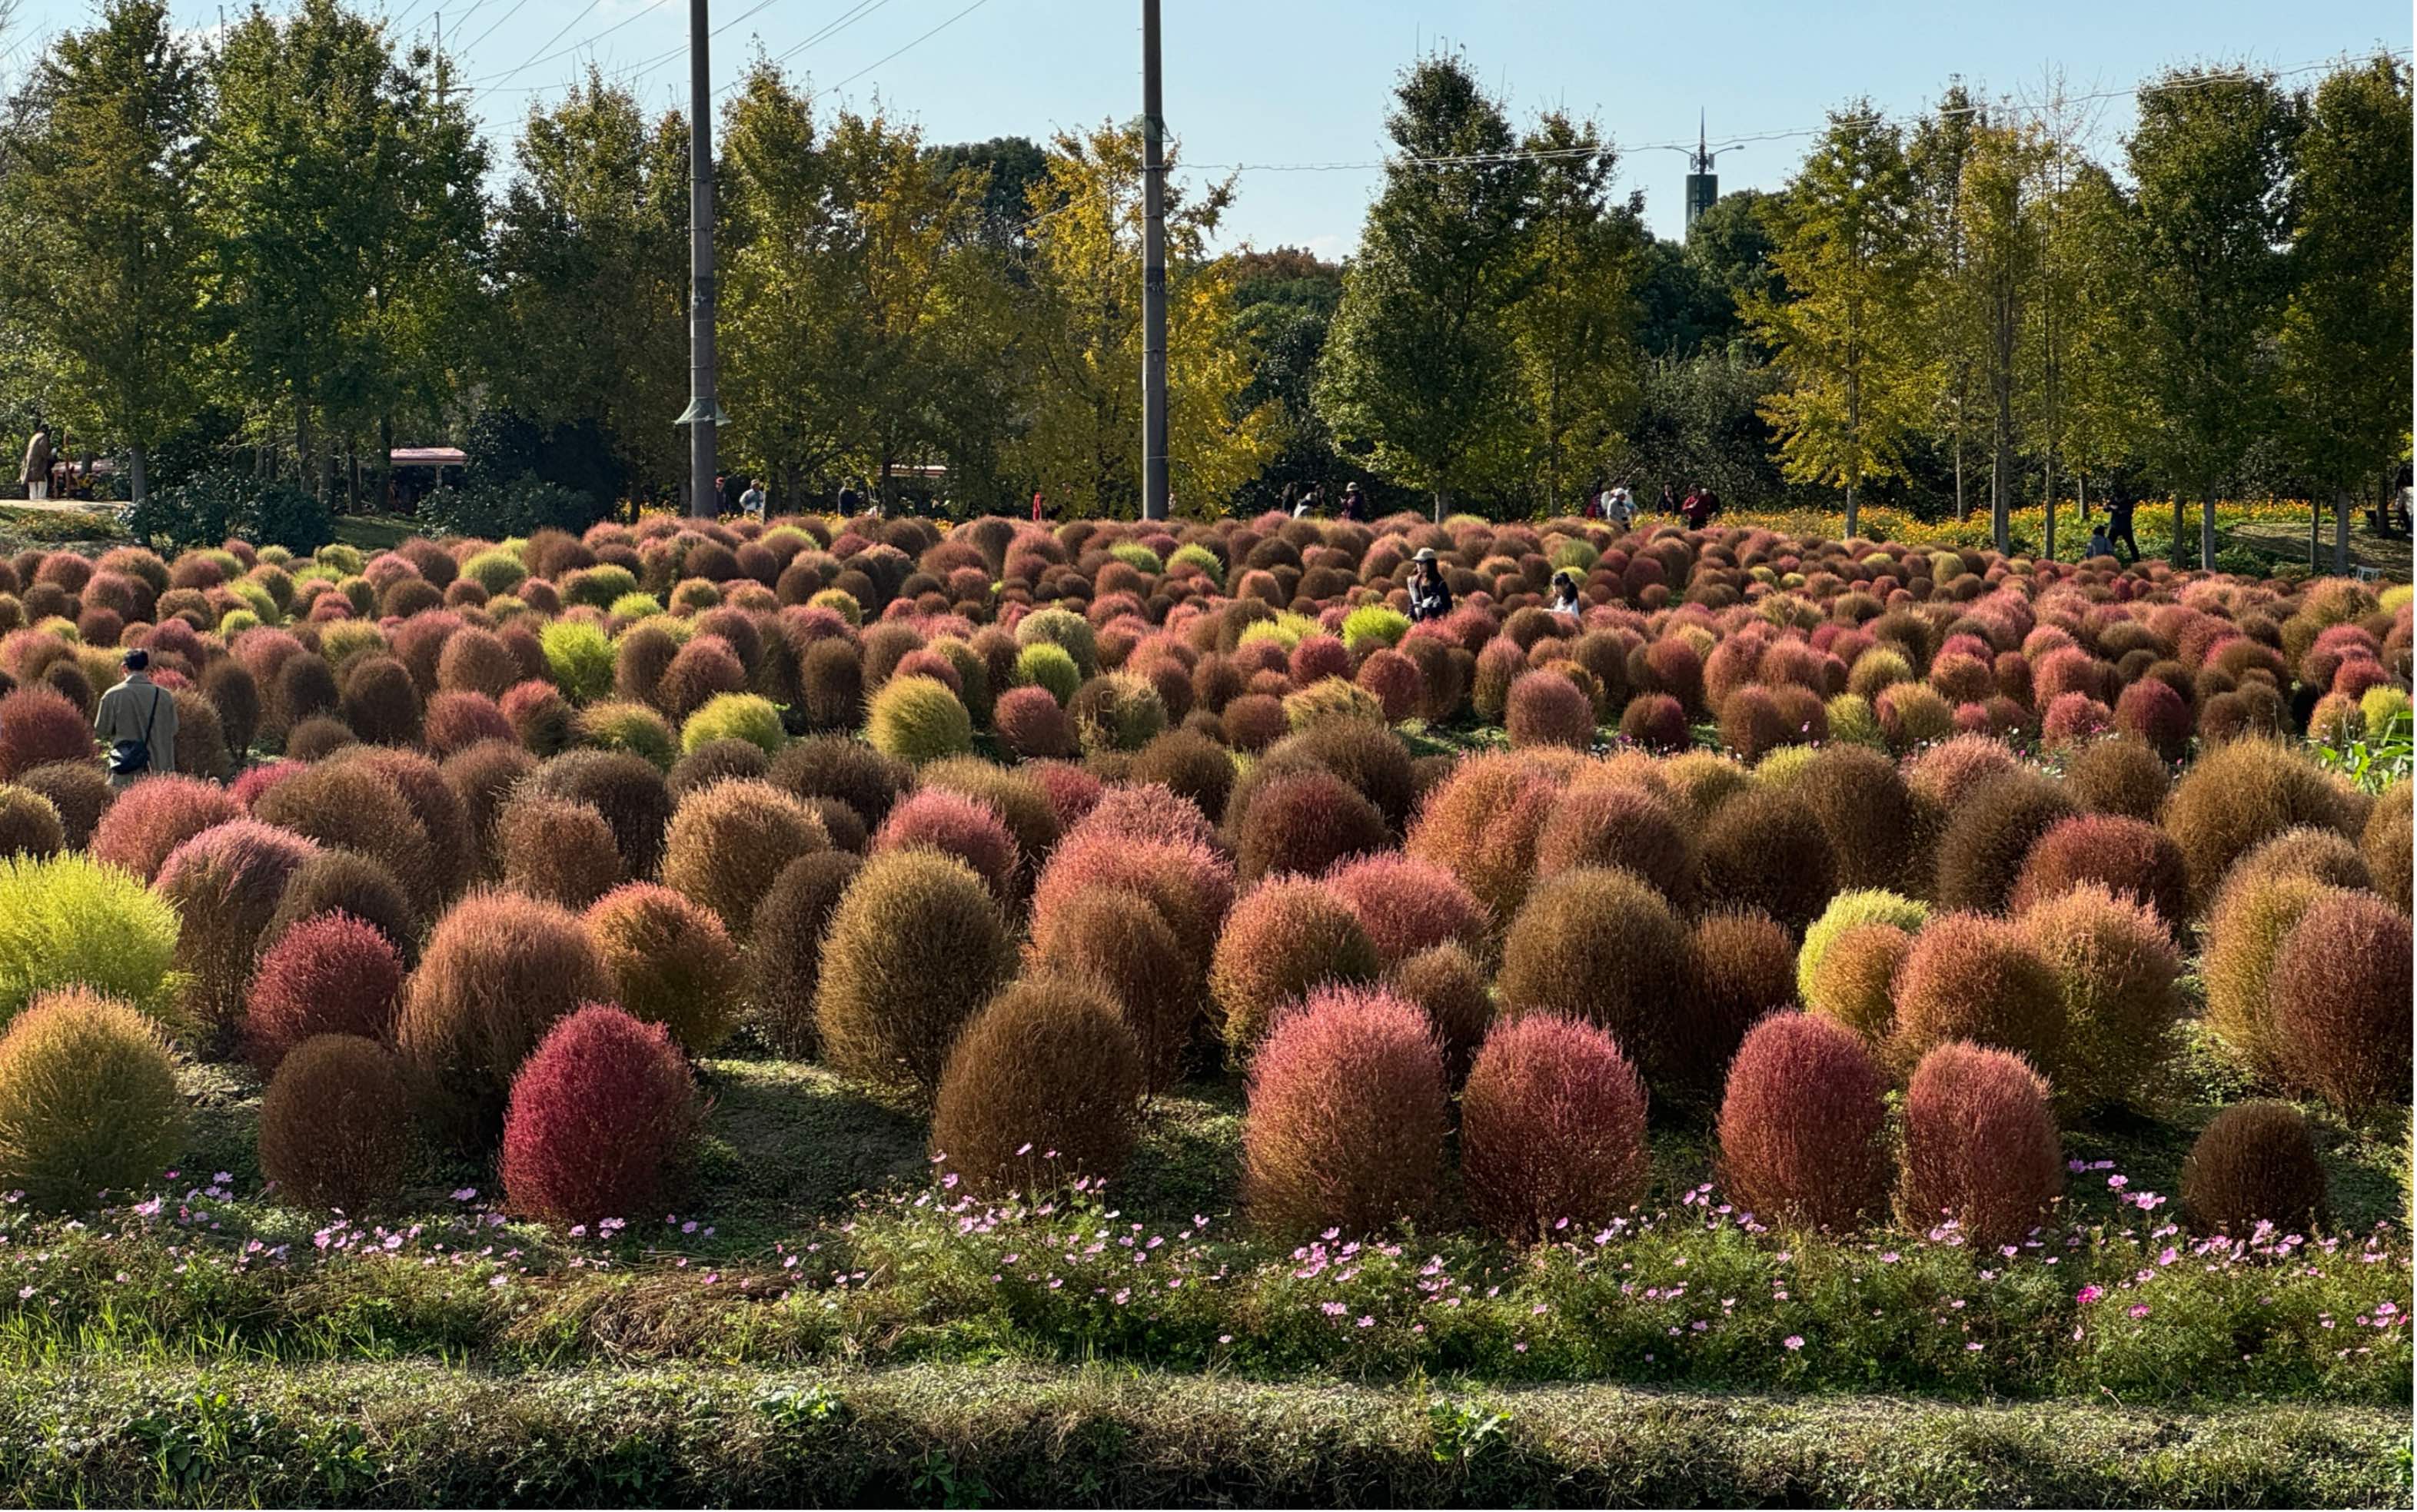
(129,758)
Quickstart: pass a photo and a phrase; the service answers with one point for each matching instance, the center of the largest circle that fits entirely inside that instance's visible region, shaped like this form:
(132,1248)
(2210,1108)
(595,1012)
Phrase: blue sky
(1253,82)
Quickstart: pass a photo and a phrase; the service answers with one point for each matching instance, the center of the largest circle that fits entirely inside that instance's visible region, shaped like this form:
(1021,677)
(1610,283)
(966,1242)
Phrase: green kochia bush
(67,921)
(916,719)
(742,716)
(915,947)
(88,1100)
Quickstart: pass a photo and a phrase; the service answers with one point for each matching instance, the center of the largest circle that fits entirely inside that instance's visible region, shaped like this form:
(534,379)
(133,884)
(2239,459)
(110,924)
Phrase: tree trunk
(2341,534)
(2316,522)
(1853,514)
(2047,495)
(1442,500)
(2207,529)
(2174,551)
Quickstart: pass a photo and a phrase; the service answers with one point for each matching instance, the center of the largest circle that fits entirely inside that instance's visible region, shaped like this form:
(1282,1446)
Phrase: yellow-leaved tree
(1082,338)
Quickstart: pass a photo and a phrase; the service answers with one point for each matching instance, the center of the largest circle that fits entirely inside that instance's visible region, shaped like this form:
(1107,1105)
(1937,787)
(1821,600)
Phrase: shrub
(835,766)
(1617,825)
(1043,1086)
(783,964)
(66,921)
(2339,1001)
(1016,793)
(2114,965)
(1117,942)
(914,948)
(736,716)
(1601,947)
(1407,905)
(558,850)
(1742,965)
(88,1100)
(352,807)
(1190,885)
(916,719)
(580,658)
(1801,1123)
(1047,666)
(39,726)
(2239,793)
(29,824)
(1449,988)
(1545,708)
(2123,855)
(672,962)
(1875,825)
(629,791)
(728,841)
(714,760)
(1286,937)
(2255,1162)
(154,817)
(600,1117)
(330,974)
(1979,1146)
(1552,1129)
(1764,848)
(2118,777)
(1190,764)
(1656,721)
(955,824)
(1990,835)
(1032,725)
(1346,1122)
(2155,715)
(78,789)
(1973,977)
(335,1124)
(1482,823)
(2385,843)
(310,740)
(1849,910)
(340,881)
(1854,980)
(1116,712)
(2245,930)
(1064,629)
(620,725)
(433,804)
(499,971)
(1303,821)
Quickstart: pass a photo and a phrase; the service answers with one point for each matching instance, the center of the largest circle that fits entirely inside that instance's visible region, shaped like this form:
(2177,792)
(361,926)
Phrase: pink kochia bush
(1800,1127)
(600,1114)
(1407,904)
(330,974)
(1980,1145)
(955,824)
(155,815)
(1552,1129)
(1346,1125)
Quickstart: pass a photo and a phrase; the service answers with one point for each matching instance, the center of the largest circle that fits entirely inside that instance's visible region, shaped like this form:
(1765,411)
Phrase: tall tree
(101,243)
(1081,324)
(2001,235)
(1575,329)
(1949,332)
(2346,333)
(1421,371)
(2210,158)
(591,264)
(2102,410)
(1851,260)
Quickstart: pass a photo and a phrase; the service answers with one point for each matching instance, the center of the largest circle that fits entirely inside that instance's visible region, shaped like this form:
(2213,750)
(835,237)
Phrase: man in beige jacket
(137,725)
(35,473)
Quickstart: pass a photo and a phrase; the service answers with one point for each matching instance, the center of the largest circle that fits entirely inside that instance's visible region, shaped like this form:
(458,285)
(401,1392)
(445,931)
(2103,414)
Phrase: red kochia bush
(1552,1127)
(1656,721)
(1304,820)
(1031,723)
(498,971)
(1286,937)
(226,885)
(1800,1126)
(1407,905)
(2256,1162)
(1346,1125)
(330,974)
(2340,1000)
(1190,886)
(2124,855)
(1980,1145)
(1545,708)
(40,725)
(600,1117)
(1481,822)
(1044,1085)
(155,816)
(335,1124)
(955,824)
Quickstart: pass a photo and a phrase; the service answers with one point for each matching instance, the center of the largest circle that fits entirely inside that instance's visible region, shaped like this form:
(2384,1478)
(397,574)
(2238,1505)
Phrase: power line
(576,18)
(507,15)
(829,29)
(917,42)
(576,47)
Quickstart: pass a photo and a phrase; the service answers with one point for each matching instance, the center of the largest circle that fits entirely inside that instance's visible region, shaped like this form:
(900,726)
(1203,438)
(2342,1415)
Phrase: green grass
(371,534)
(424,1434)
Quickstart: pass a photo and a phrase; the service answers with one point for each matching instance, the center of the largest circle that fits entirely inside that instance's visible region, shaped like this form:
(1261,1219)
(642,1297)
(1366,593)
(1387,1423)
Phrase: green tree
(2346,332)
(1948,334)
(2002,235)
(1285,302)
(591,267)
(1574,328)
(1851,260)
(2102,411)
(101,243)
(2209,158)
(1420,373)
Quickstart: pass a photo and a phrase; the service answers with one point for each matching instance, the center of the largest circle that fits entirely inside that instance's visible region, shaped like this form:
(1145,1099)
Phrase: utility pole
(704,413)
(1153,274)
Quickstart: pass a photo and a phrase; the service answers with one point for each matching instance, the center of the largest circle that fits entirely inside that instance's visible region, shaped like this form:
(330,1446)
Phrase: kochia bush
(1284,938)
(1976,977)
(915,719)
(600,1118)
(914,948)
(2114,965)
(154,817)
(1407,905)
(1345,1124)
(330,974)
(672,963)
(1601,947)
(335,1124)
(1043,1086)
(1979,1146)
(68,922)
(1800,1126)
(2339,998)
(88,1100)
(727,842)
(2256,1162)
(1552,1129)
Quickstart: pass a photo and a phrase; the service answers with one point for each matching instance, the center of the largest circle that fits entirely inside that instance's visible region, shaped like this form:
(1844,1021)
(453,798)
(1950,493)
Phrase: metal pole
(702,410)
(1153,275)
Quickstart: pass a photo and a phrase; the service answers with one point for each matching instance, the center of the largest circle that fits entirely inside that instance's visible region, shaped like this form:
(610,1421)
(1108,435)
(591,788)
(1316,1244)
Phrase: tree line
(287,248)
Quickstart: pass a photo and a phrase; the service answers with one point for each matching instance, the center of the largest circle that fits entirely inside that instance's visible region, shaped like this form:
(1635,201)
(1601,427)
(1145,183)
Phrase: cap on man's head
(136,659)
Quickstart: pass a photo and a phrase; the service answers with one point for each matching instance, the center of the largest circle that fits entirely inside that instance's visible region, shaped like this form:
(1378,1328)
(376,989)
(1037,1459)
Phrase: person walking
(2120,506)
(1355,504)
(1430,596)
(752,502)
(35,473)
(1620,508)
(137,724)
